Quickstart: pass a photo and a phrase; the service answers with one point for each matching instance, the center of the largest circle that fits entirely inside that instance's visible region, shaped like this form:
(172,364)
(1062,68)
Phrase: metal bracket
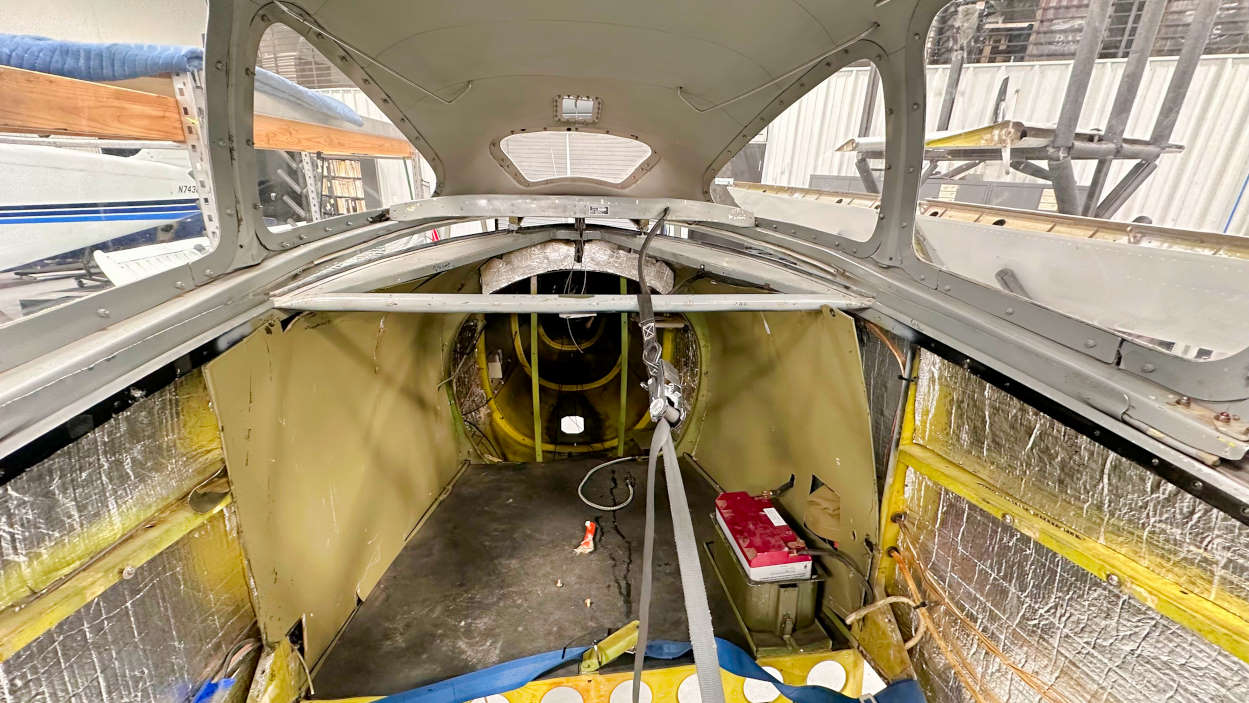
(188,90)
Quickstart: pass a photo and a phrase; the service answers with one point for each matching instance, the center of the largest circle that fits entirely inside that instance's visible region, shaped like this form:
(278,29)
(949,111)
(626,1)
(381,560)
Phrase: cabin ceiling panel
(496,67)
(448,42)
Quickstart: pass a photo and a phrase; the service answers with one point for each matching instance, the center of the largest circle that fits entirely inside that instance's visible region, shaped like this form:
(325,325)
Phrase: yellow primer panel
(664,683)
(337,438)
(280,676)
(783,394)
(1223,627)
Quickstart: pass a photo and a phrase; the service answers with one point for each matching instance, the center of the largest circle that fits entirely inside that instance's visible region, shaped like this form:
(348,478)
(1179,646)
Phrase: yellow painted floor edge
(665,682)
(1212,621)
(21,624)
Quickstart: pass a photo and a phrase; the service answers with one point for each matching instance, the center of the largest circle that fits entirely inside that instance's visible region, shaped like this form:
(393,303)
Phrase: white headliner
(631,53)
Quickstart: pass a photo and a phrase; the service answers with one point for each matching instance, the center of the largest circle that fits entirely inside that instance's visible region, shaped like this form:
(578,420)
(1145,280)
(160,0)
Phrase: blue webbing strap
(511,675)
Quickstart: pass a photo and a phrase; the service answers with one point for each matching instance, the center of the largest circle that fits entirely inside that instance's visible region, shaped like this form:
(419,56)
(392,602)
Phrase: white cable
(853,617)
(888,600)
(588,474)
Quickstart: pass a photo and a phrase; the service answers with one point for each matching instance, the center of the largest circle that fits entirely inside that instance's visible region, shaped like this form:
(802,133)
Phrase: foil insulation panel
(1084,639)
(1080,483)
(67,508)
(155,636)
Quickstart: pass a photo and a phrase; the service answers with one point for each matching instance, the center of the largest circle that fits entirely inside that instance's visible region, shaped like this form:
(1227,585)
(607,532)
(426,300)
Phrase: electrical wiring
(628,482)
(460,366)
(939,597)
(893,348)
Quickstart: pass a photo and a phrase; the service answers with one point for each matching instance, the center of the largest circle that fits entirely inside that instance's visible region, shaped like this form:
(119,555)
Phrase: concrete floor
(492,576)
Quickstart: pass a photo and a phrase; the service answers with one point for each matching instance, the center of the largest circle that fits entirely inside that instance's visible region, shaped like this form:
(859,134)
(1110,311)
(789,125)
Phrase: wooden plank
(41,103)
(290,135)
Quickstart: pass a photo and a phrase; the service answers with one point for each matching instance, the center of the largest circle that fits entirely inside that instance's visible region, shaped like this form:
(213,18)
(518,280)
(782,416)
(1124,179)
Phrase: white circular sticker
(623,693)
(757,691)
(688,691)
(493,698)
(828,674)
(562,694)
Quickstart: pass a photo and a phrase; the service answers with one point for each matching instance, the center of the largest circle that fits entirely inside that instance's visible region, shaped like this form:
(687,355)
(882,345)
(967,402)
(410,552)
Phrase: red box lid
(761,534)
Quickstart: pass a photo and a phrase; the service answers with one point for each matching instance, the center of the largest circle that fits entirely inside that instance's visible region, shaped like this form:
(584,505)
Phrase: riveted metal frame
(58,361)
(247,163)
(31,337)
(1089,389)
(863,50)
(1219,381)
(585,206)
(40,394)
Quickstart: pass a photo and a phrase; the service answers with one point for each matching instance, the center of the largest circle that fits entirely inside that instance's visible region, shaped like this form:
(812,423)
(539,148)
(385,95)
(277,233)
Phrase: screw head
(103,312)
(127,572)
(1183,401)
(1197,486)
(1224,417)
(1113,580)
(220,65)
(179,285)
(1147,368)
(1008,518)
(1089,343)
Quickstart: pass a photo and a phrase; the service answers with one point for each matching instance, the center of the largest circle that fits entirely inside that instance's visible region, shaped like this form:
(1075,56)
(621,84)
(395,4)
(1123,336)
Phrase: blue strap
(511,675)
(735,660)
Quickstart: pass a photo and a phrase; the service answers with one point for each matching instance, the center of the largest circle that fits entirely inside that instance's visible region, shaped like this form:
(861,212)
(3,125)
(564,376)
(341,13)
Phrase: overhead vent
(577,109)
(533,157)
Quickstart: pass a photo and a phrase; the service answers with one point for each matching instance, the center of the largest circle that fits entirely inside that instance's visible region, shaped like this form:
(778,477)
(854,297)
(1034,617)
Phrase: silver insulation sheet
(153,637)
(1085,640)
(1083,637)
(1080,483)
(89,494)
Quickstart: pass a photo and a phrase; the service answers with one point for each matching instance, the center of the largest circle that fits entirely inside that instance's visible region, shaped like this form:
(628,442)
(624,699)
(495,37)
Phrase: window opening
(116,202)
(323,147)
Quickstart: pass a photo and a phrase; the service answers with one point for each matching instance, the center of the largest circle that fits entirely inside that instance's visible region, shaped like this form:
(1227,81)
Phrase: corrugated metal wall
(1195,189)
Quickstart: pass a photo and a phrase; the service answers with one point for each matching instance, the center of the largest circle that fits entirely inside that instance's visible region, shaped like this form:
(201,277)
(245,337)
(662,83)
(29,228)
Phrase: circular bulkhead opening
(590,376)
